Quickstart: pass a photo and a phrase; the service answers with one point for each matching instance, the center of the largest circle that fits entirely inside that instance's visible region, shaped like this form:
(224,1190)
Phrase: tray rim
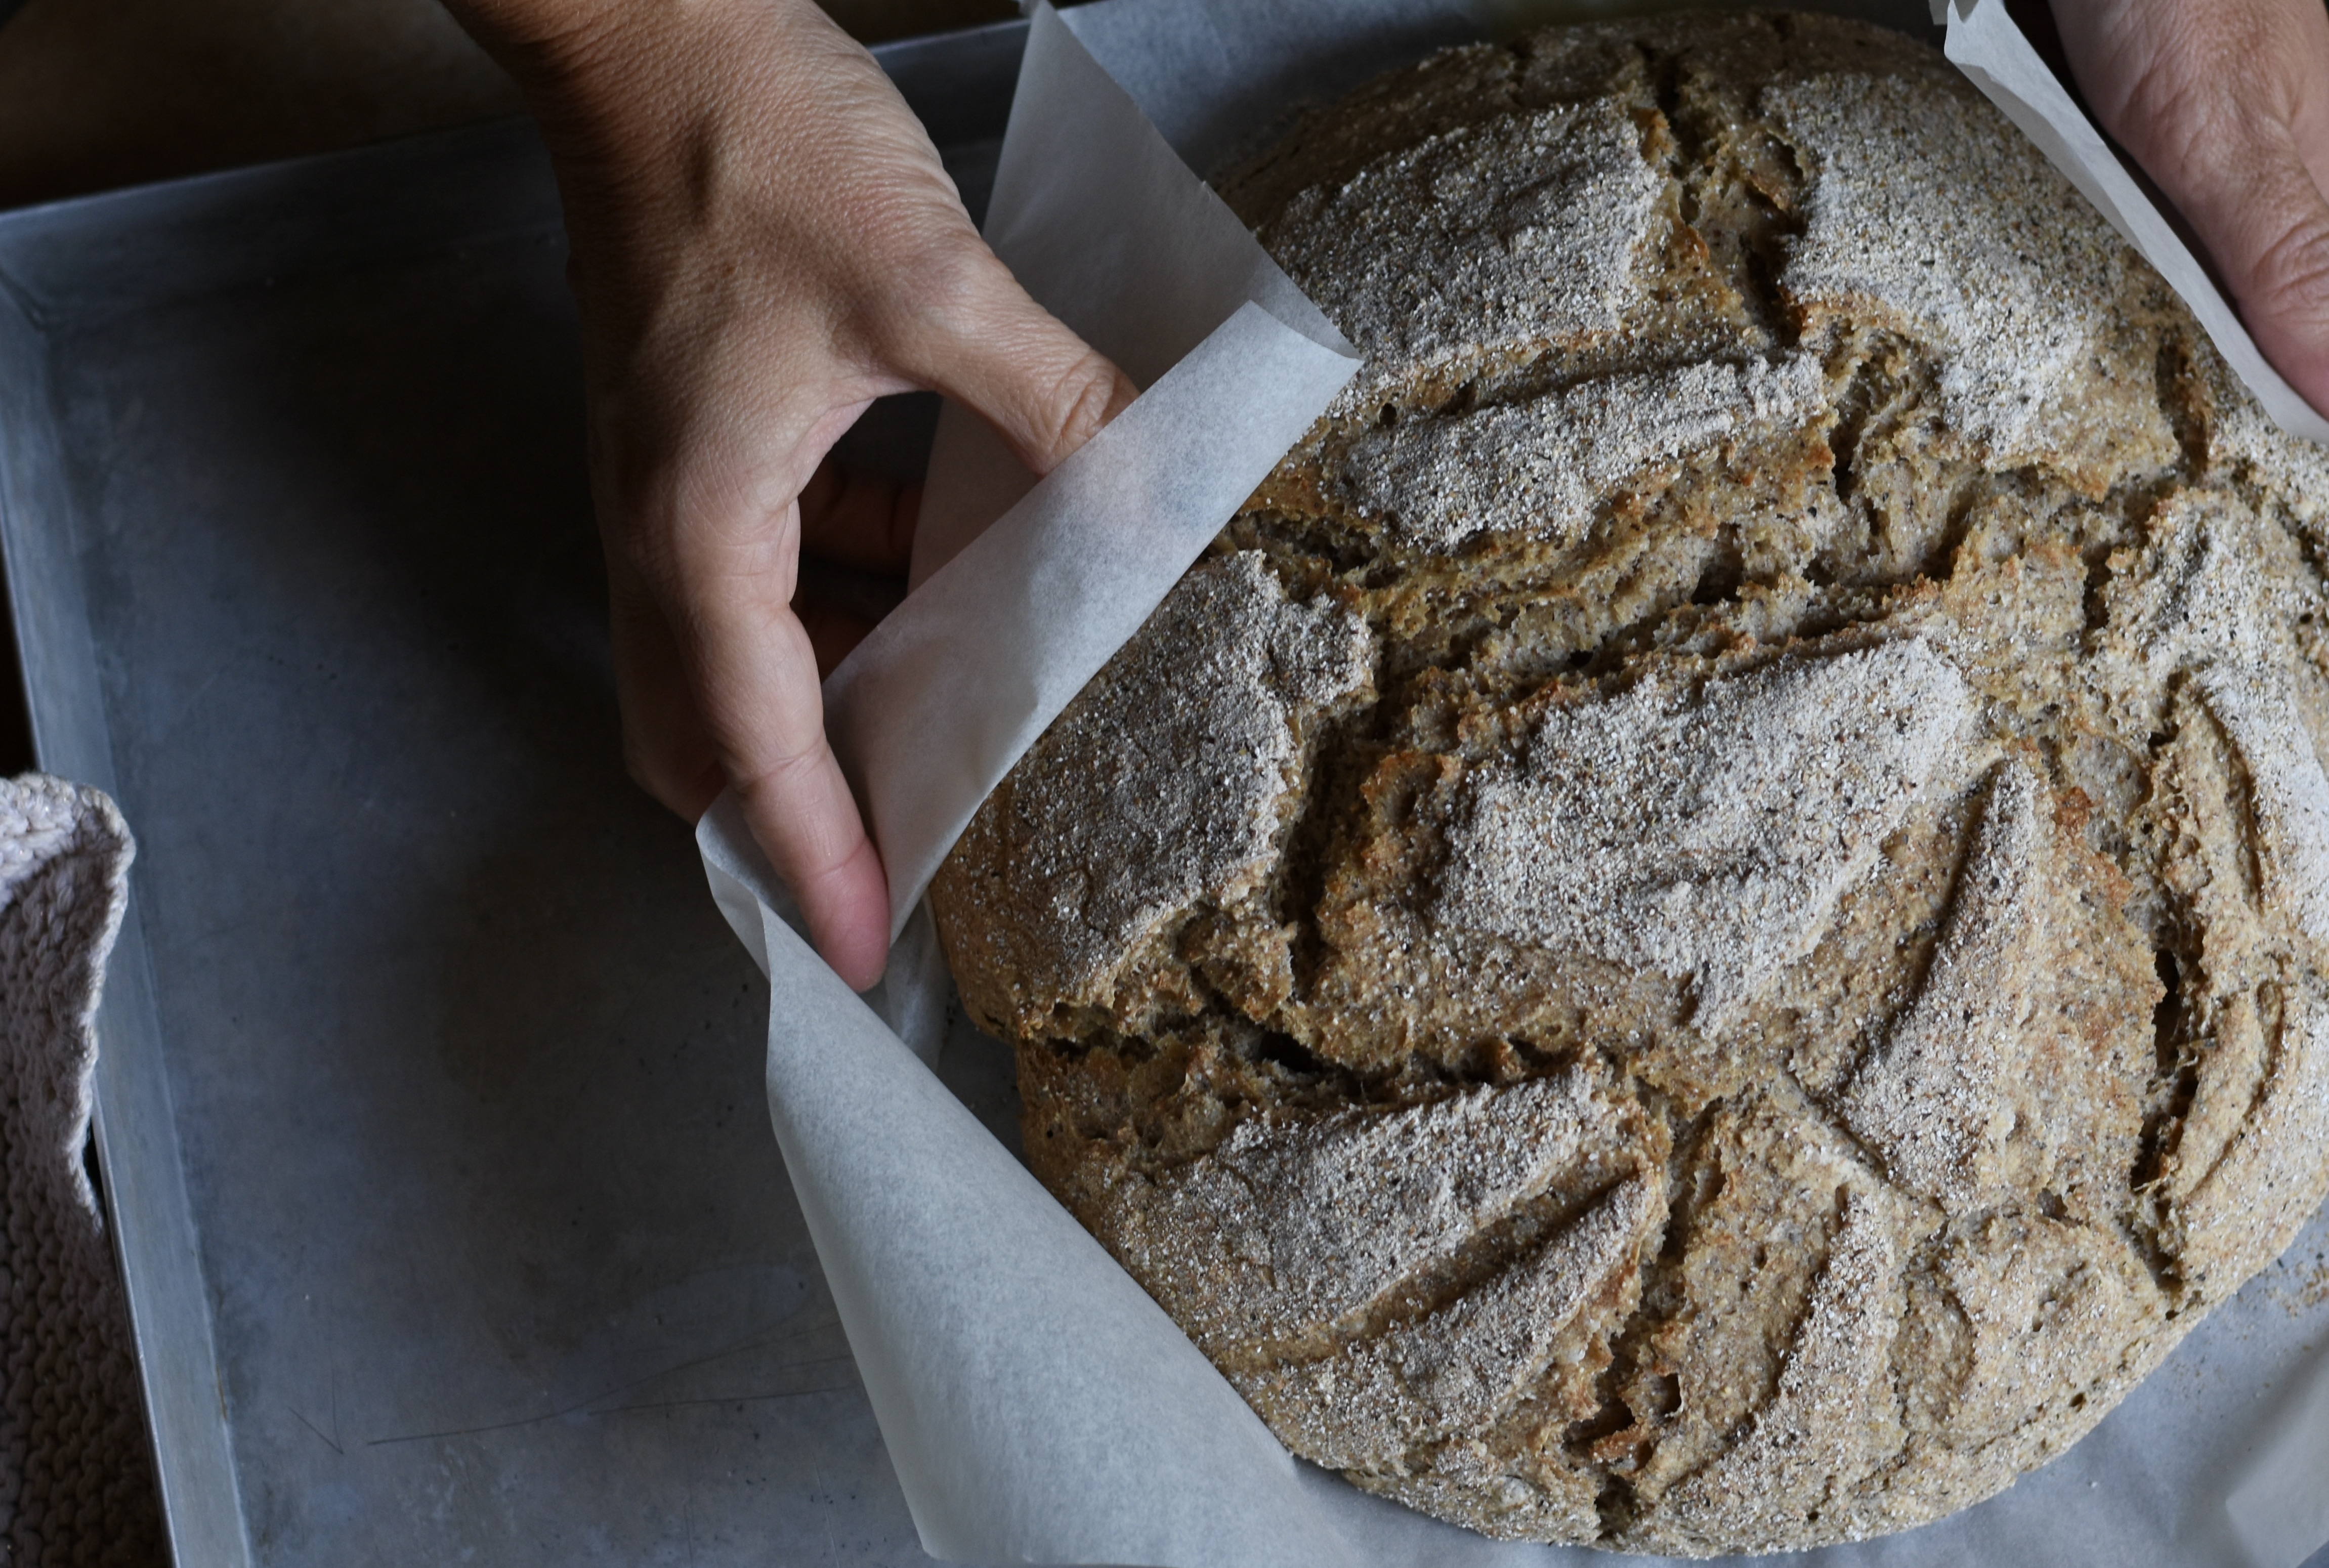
(81,263)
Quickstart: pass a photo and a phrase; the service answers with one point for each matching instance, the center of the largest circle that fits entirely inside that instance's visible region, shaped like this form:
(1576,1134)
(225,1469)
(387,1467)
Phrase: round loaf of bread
(1702,931)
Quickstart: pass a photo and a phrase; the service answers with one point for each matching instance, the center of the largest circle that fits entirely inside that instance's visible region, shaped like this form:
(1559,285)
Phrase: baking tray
(430,1107)
(430,1115)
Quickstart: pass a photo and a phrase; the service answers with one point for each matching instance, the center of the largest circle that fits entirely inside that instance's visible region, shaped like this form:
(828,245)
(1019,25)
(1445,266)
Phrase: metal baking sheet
(430,1110)
(430,1113)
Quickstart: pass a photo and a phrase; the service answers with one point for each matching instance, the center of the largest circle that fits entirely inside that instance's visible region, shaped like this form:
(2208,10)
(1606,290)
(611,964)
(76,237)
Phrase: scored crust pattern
(1702,930)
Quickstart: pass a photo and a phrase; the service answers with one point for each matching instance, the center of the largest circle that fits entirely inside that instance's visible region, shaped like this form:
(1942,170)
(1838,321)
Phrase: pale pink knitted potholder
(76,1475)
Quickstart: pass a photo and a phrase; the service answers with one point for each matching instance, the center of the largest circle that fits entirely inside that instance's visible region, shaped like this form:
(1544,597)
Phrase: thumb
(2266,225)
(2220,101)
(988,345)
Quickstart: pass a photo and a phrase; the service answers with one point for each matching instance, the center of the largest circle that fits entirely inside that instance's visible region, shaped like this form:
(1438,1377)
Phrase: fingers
(664,744)
(724,691)
(2225,103)
(986,344)
(2273,250)
(755,675)
(765,239)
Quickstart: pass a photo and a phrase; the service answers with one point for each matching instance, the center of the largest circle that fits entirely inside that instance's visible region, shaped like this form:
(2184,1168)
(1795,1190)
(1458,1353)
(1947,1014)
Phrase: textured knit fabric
(76,1477)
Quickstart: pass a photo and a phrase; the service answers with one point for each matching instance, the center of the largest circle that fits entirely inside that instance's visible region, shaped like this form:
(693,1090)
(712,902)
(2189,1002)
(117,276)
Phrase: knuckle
(2176,127)
(786,778)
(728,555)
(954,313)
(790,791)
(1079,404)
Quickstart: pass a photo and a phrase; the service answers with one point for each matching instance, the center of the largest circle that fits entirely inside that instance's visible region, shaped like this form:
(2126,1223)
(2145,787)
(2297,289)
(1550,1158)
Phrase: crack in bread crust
(1704,930)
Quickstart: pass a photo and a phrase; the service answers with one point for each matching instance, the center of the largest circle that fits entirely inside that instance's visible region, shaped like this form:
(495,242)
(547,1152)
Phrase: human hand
(763,242)
(2225,103)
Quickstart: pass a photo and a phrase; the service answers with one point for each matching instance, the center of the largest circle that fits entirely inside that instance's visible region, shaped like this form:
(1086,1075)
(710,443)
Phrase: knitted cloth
(76,1476)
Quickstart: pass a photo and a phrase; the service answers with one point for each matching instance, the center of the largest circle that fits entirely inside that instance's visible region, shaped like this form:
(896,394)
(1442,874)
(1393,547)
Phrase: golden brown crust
(1703,932)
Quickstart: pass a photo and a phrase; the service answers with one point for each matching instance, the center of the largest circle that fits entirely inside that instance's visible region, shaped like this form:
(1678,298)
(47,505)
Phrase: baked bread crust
(1702,931)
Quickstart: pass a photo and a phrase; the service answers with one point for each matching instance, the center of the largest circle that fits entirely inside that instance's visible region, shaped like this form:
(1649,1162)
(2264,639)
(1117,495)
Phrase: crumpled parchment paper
(1038,1406)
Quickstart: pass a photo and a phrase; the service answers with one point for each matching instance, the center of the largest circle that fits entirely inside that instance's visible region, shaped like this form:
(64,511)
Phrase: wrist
(613,79)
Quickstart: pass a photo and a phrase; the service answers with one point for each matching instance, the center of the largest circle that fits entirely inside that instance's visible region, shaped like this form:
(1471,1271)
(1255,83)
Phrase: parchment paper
(1038,1407)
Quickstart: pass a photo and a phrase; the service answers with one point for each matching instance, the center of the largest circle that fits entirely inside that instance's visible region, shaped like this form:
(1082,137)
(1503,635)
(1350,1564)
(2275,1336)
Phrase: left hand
(2225,103)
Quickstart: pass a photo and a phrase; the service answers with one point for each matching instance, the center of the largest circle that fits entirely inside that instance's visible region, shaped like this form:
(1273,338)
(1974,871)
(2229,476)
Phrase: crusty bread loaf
(1702,931)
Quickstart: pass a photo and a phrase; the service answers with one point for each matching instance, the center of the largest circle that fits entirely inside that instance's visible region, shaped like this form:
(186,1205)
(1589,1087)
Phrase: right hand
(764,242)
